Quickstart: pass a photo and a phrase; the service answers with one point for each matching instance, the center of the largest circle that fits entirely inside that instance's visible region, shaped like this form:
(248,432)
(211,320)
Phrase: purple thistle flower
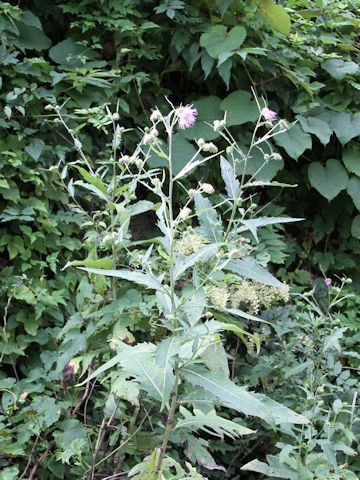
(328,281)
(186,116)
(268,114)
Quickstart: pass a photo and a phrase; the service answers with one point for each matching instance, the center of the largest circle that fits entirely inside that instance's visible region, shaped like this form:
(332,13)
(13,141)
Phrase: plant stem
(169,422)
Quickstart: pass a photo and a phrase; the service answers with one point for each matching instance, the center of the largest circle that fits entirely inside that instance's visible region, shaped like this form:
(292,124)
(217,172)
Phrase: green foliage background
(304,59)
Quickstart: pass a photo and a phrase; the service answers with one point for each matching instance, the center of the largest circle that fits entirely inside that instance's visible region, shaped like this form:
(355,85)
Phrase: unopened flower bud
(115,116)
(276,156)
(184,213)
(207,188)
(210,148)
(49,107)
(200,142)
(155,116)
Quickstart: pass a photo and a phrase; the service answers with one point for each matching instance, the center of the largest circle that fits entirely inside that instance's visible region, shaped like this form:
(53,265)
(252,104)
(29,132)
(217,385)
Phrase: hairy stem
(169,422)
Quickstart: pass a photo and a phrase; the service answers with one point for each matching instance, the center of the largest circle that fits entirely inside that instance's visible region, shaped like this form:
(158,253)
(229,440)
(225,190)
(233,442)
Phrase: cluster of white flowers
(245,294)
(217,296)
(253,295)
(190,242)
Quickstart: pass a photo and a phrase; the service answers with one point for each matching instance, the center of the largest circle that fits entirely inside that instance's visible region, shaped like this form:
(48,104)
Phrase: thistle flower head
(268,114)
(186,116)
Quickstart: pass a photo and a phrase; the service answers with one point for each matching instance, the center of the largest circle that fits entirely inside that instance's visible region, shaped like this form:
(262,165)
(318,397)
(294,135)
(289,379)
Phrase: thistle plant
(196,274)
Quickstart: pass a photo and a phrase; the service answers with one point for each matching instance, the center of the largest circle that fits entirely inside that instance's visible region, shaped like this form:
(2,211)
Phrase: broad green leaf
(317,127)
(223,6)
(139,207)
(290,372)
(240,108)
(47,408)
(139,361)
(257,165)
(277,16)
(351,159)
(105,263)
(218,40)
(182,151)
(132,276)
(274,472)
(210,423)
(294,141)
(353,190)
(69,53)
(166,350)
(248,268)
(329,180)
(345,125)
(331,342)
(10,473)
(232,184)
(355,227)
(339,68)
(93,180)
(35,148)
(209,110)
(211,227)
(194,304)
(224,70)
(32,38)
(126,389)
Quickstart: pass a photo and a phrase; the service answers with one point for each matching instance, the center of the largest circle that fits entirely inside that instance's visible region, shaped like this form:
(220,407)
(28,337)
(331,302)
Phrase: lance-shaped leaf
(100,263)
(204,254)
(278,471)
(232,184)
(145,279)
(210,423)
(248,268)
(254,223)
(92,179)
(93,189)
(211,226)
(233,396)
(227,392)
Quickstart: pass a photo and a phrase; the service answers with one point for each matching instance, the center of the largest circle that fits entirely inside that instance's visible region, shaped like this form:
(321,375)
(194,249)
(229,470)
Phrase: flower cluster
(217,296)
(254,295)
(190,242)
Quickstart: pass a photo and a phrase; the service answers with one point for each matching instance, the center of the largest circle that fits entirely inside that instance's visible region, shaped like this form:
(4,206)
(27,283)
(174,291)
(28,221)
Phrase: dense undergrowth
(303,60)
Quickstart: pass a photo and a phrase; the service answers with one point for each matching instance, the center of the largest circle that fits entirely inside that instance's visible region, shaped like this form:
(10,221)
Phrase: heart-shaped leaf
(295,141)
(240,108)
(328,180)
(35,148)
(351,159)
(338,68)
(218,40)
(353,190)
